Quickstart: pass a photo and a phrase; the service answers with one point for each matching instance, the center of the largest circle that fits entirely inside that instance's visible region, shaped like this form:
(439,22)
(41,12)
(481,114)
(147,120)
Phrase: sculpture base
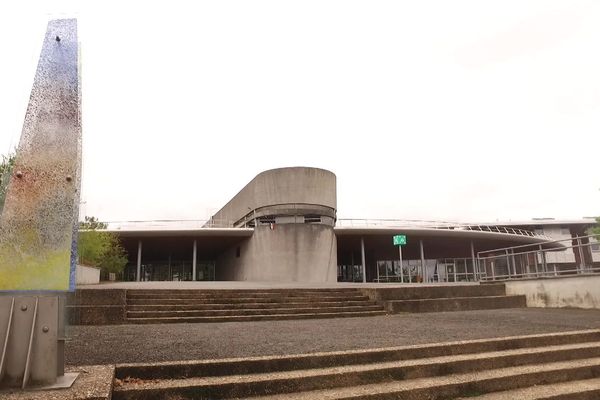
(62,382)
(31,340)
(94,382)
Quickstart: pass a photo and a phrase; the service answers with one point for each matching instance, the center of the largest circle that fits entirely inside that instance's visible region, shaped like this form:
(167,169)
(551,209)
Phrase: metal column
(543,255)
(194,259)
(581,257)
(512,256)
(475,264)
(364,264)
(423,271)
(139,262)
(401,269)
(454,268)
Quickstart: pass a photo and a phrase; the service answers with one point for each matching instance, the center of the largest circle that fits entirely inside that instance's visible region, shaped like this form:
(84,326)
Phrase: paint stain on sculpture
(38,225)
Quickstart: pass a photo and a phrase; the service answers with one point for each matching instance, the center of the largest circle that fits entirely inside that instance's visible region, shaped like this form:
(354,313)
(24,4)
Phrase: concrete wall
(87,275)
(96,306)
(575,291)
(287,253)
(295,185)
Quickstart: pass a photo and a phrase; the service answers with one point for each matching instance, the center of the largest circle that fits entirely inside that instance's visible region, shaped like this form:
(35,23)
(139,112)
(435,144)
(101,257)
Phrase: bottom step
(587,389)
(471,384)
(235,318)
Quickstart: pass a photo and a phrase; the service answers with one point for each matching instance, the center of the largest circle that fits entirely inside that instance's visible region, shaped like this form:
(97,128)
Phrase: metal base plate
(62,382)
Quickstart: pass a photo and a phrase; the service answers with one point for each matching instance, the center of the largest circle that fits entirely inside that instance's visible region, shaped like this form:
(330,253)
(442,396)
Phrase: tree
(98,248)
(6,166)
(595,230)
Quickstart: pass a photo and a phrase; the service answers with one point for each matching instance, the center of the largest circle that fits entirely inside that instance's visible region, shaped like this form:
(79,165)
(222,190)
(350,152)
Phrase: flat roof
(173,232)
(439,233)
(543,221)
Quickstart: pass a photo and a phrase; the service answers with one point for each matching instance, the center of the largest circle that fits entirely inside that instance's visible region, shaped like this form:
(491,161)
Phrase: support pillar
(454,268)
(514,263)
(581,257)
(194,259)
(543,257)
(423,269)
(139,262)
(476,276)
(364,264)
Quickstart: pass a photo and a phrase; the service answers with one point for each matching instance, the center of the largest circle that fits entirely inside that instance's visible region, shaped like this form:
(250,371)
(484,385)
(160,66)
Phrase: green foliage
(595,230)
(100,249)
(6,166)
(91,223)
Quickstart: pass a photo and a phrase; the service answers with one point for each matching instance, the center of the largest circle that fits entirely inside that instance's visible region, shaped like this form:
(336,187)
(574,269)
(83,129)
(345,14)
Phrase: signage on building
(399,240)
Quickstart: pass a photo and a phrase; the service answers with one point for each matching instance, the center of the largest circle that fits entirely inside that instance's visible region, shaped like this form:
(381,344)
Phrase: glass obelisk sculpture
(38,225)
(41,205)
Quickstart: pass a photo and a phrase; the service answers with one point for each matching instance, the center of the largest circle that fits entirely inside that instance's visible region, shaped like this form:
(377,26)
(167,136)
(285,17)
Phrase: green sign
(399,240)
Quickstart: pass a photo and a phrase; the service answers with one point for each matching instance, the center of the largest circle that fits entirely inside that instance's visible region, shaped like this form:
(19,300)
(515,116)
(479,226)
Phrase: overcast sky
(455,110)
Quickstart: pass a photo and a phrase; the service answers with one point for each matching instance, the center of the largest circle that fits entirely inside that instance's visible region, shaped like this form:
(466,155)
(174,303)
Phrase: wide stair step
(471,384)
(260,317)
(456,304)
(136,293)
(178,306)
(586,389)
(254,306)
(242,300)
(436,371)
(248,311)
(444,298)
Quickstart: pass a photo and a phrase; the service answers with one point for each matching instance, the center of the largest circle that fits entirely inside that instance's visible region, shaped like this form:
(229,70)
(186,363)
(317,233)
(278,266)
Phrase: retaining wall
(580,291)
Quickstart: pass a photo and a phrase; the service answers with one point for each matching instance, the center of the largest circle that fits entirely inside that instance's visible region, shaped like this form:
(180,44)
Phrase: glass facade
(171,270)
(350,273)
(412,271)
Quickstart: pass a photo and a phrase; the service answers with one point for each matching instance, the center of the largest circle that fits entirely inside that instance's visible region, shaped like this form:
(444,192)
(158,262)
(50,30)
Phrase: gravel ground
(171,342)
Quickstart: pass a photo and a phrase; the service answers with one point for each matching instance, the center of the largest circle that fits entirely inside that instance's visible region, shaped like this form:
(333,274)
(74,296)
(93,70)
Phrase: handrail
(503,249)
(576,256)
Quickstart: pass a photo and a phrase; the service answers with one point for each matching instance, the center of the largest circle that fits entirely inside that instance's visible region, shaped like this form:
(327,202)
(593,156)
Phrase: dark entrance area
(171,258)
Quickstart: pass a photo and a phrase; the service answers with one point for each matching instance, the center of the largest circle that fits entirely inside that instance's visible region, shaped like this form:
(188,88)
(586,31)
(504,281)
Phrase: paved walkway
(147,343)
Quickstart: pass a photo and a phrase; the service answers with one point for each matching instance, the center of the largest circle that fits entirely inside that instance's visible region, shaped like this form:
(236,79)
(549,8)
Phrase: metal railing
(407,223)
(577,255)
(167,224)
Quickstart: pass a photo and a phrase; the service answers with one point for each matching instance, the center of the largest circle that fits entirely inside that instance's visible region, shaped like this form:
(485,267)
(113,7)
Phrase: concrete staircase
(419,299)
(171,306)
(550,366)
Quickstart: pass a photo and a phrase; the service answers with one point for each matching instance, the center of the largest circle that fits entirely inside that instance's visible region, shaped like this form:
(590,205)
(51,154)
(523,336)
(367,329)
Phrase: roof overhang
(197,232)
(456,233)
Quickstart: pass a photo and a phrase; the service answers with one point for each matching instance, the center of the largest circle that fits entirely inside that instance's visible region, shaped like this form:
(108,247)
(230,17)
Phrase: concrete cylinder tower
(292,211)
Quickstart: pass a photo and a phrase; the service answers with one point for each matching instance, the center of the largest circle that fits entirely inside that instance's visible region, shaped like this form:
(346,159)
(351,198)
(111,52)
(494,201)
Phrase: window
(267,220)
(311,219)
